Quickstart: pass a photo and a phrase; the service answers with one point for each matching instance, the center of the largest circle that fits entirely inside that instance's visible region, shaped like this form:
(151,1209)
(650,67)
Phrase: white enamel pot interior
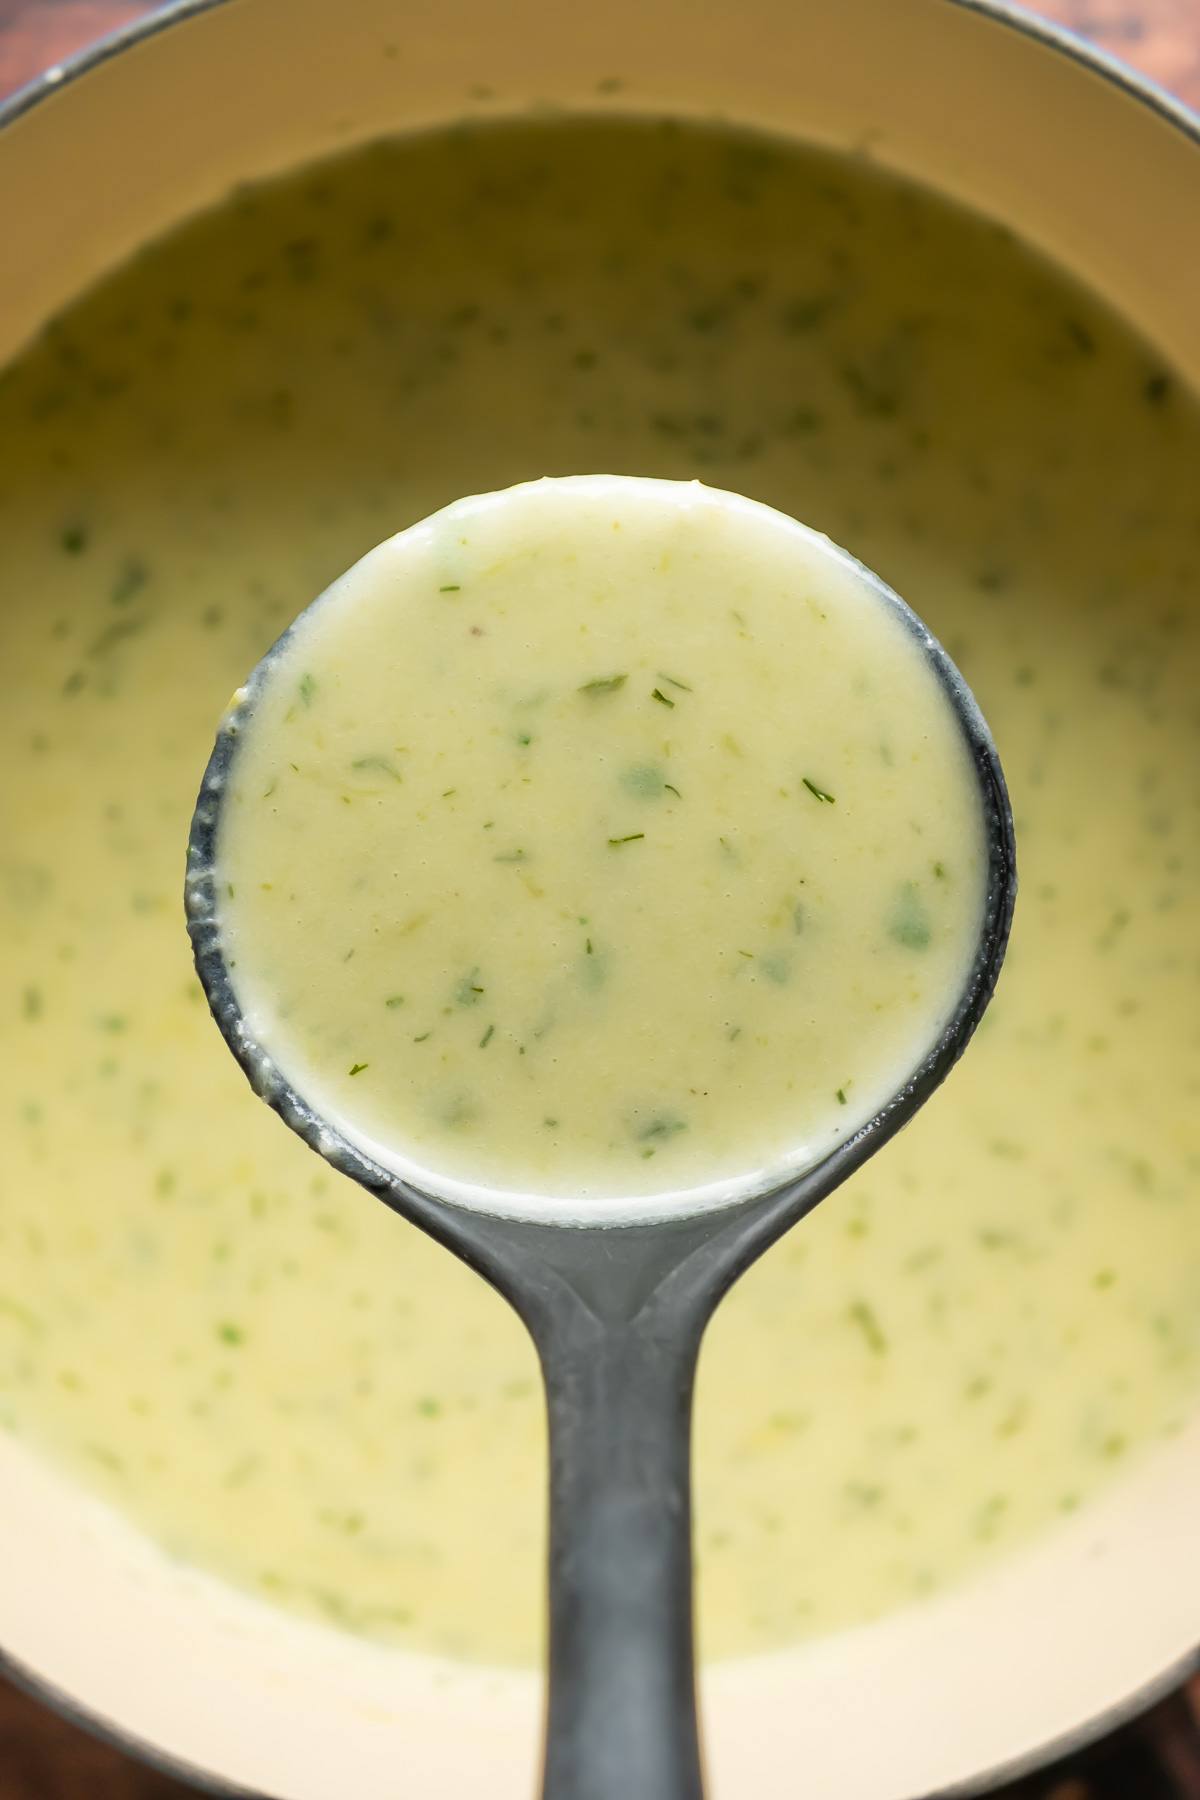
(986,105)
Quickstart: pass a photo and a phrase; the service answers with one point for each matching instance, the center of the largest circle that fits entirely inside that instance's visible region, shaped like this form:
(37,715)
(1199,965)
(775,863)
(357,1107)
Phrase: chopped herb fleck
(379,763)
(421,1039)
(658,695)
(672,790)
(396,1000)
(604,684)
(486,1039)
(308,688)
(133,576)
(908,921)
(452,588)
(644,781)
(841,1097)
(630,839)
(671,681)
(818,793)
(661,1129)
(357,1068)
(861,1315)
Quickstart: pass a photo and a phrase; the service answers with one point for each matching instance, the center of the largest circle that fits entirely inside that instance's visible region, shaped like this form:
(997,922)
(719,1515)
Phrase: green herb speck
(657,694)
(632,838)
(452,587)
(660,1129)
(133,576)
(379,763)
(308,688)
(357,1068)
(908,921)
(861,1315)
(604,684)
(818,793)
(396,1000)
(486,1039)
(644,781)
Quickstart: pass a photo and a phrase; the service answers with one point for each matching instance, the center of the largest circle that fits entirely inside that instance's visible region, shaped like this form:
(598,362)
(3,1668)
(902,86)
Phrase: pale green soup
(515,909)
(249,1356)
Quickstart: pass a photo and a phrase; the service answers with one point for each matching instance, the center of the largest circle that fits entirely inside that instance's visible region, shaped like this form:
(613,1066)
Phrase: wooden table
(1158,1757)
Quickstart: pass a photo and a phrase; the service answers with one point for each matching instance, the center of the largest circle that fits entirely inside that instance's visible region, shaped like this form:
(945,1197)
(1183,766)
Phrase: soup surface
(514,908)
(247,1354)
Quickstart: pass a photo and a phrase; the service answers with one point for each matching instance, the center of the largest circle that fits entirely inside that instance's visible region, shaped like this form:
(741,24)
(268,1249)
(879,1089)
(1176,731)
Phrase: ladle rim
(339,1148)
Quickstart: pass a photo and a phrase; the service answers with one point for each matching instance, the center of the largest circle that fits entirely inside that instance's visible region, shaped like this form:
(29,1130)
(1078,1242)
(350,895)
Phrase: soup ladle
(616,1312)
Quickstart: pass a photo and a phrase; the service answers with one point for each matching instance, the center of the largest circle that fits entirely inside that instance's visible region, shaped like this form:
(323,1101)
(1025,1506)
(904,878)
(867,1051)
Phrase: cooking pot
(984,104)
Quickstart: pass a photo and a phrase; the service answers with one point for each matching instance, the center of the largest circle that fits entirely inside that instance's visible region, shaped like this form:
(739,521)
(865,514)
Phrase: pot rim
(1172,111)
(1059,38)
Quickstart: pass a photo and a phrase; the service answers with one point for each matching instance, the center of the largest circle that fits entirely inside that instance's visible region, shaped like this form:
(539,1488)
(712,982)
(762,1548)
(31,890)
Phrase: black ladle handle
(622,1705)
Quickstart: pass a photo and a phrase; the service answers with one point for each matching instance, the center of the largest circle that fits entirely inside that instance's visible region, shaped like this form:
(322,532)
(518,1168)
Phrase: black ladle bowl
(617,1312)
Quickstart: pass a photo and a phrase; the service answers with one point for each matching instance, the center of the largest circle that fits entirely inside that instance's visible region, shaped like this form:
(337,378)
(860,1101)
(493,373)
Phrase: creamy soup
(529,918)
(250,1356)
